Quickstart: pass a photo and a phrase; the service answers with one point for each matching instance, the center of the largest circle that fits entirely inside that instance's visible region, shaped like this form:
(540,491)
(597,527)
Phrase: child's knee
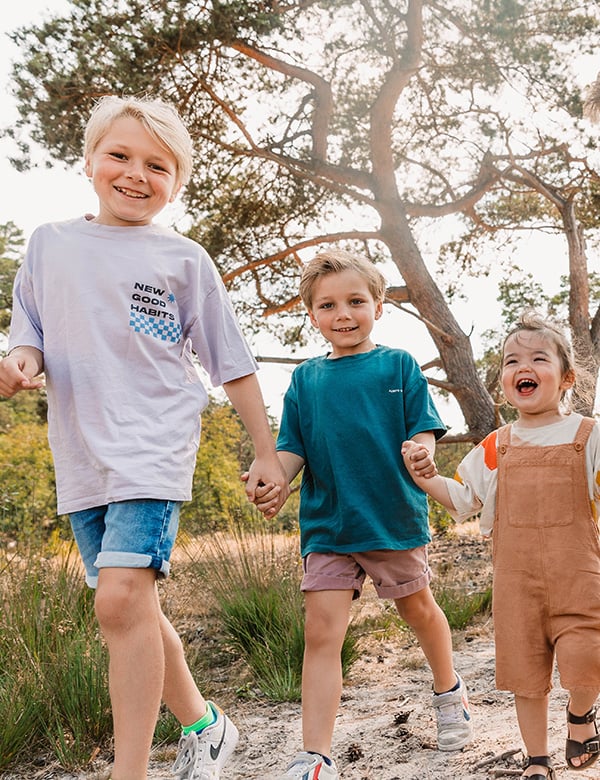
(418,608)
(123,598)
(321,633)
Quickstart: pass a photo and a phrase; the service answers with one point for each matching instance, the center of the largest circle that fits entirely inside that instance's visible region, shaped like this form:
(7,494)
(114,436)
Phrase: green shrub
(27,488)
(53,687)
(460,606)
(256,585)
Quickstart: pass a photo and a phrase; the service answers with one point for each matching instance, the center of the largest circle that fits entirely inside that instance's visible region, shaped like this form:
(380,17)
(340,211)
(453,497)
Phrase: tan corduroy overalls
(546,556)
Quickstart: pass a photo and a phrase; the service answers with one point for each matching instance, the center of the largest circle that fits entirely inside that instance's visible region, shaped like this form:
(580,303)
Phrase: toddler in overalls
(535,485)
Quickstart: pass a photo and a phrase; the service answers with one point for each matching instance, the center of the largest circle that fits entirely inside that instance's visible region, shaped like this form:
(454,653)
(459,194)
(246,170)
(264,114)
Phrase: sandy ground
(385,728)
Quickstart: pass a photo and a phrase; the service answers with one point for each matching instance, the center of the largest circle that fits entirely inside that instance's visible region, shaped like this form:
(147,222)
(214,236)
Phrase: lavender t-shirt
(118,313)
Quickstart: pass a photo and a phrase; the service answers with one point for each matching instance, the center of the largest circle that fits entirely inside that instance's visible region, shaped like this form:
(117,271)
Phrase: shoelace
(297,769)
(450,713)
(186,754)
(190,751)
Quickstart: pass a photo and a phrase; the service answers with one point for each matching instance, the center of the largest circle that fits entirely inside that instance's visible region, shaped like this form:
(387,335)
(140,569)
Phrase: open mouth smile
(526,386)
(131,193)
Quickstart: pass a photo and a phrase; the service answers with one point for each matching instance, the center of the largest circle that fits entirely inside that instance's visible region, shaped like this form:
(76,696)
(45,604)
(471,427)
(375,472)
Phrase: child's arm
(266,469)
(418,459)
(19,369)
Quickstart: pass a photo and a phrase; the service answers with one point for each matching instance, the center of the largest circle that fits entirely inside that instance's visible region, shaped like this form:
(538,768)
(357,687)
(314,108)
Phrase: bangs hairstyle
(334,262)
(159,118)
(532,322)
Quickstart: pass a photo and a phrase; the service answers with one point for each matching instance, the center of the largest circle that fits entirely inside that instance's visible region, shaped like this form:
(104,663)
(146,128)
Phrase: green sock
(207,719)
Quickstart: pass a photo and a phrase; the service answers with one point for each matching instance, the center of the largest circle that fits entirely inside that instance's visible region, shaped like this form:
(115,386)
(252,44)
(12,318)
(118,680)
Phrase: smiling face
(533,377)
(133,175)
(344,310)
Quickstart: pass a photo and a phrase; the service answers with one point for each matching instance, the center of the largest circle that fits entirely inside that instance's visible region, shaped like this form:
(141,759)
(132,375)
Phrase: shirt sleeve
(25,326)
(593,456)
(215,332)
(473,489)
(419,409)
(289,438)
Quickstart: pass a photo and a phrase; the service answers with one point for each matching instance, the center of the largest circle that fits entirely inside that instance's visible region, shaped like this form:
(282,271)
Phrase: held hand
(266,497)
(268,494)
(418,460)
(13,378)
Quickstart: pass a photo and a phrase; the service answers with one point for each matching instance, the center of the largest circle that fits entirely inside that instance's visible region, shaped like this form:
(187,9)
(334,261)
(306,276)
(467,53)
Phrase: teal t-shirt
(347,418)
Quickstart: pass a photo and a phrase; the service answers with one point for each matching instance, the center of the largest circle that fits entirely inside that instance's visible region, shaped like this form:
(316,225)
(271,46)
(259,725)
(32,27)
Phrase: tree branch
(328,238)
(383,108)
(591,106)
(323,98)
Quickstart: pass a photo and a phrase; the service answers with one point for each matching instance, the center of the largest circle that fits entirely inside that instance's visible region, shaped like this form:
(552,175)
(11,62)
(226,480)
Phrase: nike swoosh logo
(214,751)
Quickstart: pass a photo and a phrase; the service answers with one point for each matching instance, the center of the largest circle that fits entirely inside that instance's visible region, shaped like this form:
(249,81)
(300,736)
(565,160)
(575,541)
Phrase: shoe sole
(459,745)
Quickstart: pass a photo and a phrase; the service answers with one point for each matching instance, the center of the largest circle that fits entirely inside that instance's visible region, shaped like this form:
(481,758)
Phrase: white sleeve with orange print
(593,465)
(473,489)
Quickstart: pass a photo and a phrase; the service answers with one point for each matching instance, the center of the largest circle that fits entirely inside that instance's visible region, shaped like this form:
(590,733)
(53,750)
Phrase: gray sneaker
(310,766)
(202,756)
(454,724)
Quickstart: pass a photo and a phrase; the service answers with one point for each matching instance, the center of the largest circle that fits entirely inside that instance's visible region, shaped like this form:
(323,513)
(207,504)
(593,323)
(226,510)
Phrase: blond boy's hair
(159,118)
(335,261)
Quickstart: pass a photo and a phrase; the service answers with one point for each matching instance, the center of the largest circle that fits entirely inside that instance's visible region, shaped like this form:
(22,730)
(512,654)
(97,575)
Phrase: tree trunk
(453,345)
(579,313)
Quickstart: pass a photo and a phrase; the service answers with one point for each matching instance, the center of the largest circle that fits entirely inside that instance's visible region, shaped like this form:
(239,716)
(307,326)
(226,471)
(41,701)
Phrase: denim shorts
(396,574)
(136,534)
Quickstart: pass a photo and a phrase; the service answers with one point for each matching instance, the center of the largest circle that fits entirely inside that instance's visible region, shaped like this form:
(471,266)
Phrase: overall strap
(504,435)
(583,432)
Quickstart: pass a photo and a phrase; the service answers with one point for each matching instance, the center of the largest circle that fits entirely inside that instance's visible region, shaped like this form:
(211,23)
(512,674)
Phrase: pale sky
(44,195)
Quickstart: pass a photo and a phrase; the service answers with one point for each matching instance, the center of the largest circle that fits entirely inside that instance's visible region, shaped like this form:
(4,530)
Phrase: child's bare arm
(19,369)
(415,453)
(246,398)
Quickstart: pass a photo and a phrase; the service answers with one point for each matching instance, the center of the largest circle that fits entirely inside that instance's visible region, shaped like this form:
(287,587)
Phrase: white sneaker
(310,766)
(454,724)
(202,756)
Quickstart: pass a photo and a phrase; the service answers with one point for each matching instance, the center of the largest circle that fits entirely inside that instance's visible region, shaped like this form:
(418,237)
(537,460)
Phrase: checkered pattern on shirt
(164,330)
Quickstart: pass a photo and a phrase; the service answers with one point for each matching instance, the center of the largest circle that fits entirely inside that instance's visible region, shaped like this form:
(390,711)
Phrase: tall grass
(256,585)
(54,666)
(53,679)
(460,605)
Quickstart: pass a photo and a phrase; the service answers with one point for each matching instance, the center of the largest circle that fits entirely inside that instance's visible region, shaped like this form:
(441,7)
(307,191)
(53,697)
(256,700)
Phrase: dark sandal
(575,749)
(539,761)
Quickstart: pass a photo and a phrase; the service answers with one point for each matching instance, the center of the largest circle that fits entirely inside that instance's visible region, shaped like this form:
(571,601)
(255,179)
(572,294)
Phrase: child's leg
(581,701)
(532,715)
(450,701)
(180,692)
(422,613)
(208,736)
(126,607)
(326,623)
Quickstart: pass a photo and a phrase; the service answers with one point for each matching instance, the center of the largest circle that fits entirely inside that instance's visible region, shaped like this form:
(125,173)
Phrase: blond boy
(111,307)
